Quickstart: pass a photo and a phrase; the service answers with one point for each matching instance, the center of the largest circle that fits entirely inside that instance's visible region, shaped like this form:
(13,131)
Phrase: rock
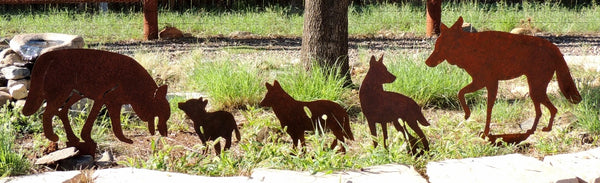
(30,46)
(12,59)
(381,173)
(522,31)
(19,103)
(54,176)
(77,163)
(14,72)
(4,98)
(467,27)
(4,89)
(143,175)
(507,168)
(106,159)
(25,82)
(5,52)
(585,165)
(170,33)
(18,91)
(57,156)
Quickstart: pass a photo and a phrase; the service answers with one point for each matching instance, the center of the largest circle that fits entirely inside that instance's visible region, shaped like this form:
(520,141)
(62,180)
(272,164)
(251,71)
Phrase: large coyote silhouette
(214,124)
(492,56)
(63,77)
(383,107)
(325,115)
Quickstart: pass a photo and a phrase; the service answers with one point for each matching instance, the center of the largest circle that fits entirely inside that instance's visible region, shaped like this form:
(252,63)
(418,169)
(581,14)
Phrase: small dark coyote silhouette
(291,113)
(214,124)
(383,107)
(492,56)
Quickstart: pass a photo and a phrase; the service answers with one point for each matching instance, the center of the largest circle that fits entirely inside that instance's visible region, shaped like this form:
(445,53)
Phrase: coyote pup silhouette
(63,77)
(325,115)
(492,56)
(214,124)
(383,107)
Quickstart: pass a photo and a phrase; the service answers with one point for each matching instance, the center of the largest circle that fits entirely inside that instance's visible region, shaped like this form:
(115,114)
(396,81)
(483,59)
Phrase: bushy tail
(566,84)
(35,98)
(421,119)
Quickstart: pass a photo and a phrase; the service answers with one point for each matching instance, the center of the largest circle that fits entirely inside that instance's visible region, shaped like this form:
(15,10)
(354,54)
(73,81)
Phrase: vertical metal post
(434,16)
(150,19)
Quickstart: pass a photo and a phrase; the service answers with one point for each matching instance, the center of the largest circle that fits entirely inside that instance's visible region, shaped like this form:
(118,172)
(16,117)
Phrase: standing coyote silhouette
(63,77)
(214,124)
(492,56)
(383,107)
(325,114)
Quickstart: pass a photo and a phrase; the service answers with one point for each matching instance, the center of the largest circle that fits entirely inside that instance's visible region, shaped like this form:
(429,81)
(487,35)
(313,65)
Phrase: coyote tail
(35,98)
(422,119)
(237,134)
(565,82)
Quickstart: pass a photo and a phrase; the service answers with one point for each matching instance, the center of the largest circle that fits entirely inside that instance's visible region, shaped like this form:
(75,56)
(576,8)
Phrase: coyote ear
(443,28)
(276,83)
(381,58)
(373,59)
(458,24)
(269,86)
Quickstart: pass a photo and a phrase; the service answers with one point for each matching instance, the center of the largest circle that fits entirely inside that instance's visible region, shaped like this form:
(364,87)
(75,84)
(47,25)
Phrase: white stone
(57,176)
(18,91)
(5,52)
(126,175)
(67,41)
(14,72)
(381,173)
(25,82)
(590,63)
(508,168)
(585,165)
(57,156)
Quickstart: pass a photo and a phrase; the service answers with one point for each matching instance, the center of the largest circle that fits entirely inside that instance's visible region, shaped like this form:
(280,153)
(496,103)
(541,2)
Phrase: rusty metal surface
(383,107)
(324,115)
(213,124)
(63,77)
(493,56)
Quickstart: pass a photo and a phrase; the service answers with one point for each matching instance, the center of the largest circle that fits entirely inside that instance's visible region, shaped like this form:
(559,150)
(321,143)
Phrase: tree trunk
(434,16)
(325,35)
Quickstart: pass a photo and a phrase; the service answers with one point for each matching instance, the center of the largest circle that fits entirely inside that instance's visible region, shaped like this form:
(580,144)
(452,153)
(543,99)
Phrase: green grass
(428,86)
(363,20)
(12,161)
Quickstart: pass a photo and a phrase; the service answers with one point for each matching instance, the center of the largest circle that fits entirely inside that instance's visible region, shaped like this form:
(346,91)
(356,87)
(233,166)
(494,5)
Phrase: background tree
(325,35)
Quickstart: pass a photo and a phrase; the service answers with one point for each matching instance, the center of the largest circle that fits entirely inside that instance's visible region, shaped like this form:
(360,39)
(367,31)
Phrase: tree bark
(325,35)
(434,16)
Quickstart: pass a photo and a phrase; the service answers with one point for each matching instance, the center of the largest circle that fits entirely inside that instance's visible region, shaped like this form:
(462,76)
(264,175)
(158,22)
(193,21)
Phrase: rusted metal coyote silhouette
(214,124)
(383,107)
(290,112)
(63,77)
(492,56)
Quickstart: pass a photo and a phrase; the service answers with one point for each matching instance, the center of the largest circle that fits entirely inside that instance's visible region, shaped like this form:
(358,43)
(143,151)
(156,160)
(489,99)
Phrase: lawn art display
(63,77)
(492,56)
(383,107)
(297,116)
(210,125)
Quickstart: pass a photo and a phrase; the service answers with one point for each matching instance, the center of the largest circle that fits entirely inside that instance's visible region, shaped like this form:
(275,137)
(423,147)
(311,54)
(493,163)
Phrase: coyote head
(274,95)
(378,71)
(159,107)
(446,43)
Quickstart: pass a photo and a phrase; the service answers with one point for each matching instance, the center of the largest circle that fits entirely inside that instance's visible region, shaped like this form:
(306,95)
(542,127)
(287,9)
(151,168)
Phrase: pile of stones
(18,57)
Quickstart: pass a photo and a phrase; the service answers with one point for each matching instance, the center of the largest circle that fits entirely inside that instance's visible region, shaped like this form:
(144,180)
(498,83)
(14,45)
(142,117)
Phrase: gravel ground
(588,44)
